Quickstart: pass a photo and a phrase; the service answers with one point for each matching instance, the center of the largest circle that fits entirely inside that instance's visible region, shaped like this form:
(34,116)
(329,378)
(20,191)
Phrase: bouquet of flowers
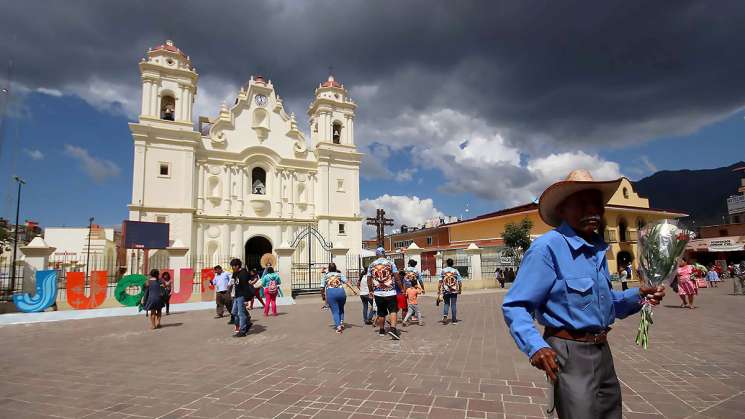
(660,246)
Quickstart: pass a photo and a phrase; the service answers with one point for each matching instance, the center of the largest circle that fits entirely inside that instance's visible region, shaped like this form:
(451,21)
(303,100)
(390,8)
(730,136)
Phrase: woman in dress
(333,293)
(686,288)
(165,278)
(153,298)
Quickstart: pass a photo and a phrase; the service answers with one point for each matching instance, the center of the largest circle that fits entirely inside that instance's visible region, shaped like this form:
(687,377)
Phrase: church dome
(331,82)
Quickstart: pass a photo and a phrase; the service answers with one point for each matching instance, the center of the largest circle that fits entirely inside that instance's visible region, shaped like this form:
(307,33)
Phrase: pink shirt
(684,272)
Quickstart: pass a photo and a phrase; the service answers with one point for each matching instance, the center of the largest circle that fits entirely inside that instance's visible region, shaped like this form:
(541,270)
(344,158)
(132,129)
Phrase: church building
(247,181)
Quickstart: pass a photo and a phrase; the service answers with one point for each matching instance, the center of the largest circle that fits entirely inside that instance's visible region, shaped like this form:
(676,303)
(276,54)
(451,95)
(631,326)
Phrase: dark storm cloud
(568,73)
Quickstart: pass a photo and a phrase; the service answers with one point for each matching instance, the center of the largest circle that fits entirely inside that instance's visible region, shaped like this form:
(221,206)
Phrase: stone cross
(380,222)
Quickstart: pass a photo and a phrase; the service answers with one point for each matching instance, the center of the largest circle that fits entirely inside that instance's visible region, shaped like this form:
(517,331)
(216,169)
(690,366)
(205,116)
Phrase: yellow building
(625,213)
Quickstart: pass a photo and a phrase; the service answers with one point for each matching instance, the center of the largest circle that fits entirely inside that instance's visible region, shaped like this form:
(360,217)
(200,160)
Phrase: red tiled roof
(331,82)
(507,211)
(168,46)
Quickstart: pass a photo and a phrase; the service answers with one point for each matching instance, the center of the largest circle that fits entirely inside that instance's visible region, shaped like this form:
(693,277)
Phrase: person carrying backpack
(270,282)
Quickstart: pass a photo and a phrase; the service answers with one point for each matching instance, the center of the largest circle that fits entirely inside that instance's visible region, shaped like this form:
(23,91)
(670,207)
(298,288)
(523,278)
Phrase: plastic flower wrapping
(661,245)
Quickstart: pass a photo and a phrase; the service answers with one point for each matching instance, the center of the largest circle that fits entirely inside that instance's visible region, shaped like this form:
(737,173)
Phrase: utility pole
(88,254)
(15,235)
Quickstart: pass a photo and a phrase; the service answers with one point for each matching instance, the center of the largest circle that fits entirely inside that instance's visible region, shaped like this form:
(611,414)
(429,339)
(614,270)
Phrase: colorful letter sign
(46,293)
(76,289)
(125,298)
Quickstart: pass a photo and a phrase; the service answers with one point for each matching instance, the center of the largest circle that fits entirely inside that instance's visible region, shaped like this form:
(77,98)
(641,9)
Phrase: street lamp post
(88,254)
(15,235)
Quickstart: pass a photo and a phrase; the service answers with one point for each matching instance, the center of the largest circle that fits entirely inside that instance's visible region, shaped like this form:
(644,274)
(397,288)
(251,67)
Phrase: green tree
(517,238)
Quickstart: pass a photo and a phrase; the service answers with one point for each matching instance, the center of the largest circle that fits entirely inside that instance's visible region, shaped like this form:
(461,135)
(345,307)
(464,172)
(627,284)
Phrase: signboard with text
(736,204)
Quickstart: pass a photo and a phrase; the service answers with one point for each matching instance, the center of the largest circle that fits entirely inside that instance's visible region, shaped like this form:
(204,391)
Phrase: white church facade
(246,182)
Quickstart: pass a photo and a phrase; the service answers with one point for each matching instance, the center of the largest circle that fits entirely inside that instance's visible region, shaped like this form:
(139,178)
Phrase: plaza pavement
(294,365)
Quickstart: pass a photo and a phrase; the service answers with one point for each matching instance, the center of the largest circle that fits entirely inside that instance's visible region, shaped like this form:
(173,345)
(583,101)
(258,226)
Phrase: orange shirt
(411,294)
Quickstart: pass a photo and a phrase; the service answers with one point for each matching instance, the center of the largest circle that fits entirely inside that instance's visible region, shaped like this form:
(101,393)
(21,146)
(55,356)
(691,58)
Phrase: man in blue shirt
(564,282)
(222,292)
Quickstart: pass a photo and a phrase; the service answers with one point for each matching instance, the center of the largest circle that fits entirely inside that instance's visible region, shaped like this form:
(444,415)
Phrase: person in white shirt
(221,281)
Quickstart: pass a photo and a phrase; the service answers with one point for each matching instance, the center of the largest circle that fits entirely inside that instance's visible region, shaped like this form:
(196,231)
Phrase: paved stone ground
(294,365)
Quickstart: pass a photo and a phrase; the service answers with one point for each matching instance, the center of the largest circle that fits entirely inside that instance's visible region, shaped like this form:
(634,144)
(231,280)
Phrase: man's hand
(653,294)
(545,359)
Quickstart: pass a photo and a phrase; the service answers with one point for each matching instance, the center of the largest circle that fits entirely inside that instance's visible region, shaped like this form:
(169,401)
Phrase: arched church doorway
(623,258)
(256,247)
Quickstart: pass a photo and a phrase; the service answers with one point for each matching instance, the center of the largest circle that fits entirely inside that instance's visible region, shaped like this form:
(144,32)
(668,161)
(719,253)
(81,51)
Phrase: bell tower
(332,115)
(332,138)
(169,85)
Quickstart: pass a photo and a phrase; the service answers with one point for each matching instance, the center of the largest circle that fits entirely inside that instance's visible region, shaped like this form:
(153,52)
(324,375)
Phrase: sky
(463,107)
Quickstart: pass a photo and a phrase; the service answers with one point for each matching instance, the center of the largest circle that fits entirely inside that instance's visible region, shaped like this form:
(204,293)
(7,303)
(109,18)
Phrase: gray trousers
(587,386)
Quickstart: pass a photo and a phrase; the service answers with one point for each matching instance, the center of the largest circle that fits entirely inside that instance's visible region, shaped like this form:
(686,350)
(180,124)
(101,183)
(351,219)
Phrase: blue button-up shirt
(564,282)
(221,281)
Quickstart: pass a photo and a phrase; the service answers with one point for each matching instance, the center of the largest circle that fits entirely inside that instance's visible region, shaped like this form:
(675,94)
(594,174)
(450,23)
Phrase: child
(712,277)
(411,298)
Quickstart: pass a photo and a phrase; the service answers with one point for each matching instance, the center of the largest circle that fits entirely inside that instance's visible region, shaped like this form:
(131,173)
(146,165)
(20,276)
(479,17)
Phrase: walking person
(686,288)
(412,278)
(222,294)
(270,282)
(499,276)
(243,290)
(401,304)
(367,302)
(564,284)
(412,294)
(738,277)
(153,298)
(165,279)
(713,277)
(382,279)
(257,289)
(333,293)
(450,287)
(623,276)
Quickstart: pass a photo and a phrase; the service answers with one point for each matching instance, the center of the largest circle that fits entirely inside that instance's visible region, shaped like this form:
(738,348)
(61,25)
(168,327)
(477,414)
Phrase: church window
(258,181)
(340,185)
(168,108)
(164,169)
(342,228)
(336,130)
(626,193)
(161,219)
(429,240)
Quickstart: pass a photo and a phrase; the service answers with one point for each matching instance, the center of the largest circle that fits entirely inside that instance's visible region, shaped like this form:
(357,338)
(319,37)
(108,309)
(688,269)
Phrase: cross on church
(380,222)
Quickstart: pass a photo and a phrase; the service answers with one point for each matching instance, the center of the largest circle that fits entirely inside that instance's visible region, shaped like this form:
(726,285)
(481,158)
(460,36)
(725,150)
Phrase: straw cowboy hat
(578,180)
(268,258)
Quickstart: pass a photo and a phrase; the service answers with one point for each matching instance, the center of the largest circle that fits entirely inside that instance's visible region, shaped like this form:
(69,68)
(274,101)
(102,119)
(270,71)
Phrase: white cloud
(213,92)
(34,154)
(648,164)
(474,156)
(109,96)
(50,92)
(98,169)
(407,210)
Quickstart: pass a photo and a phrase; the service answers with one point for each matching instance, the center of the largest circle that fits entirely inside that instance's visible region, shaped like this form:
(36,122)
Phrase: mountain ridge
(708,190)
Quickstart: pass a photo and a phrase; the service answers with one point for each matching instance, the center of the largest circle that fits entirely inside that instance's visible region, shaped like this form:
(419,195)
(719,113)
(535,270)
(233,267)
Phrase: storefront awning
(718,244)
